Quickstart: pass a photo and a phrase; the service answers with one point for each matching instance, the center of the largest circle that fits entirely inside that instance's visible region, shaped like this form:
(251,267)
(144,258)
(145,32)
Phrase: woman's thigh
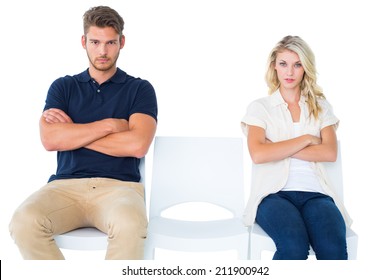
(326,228)
(282,221)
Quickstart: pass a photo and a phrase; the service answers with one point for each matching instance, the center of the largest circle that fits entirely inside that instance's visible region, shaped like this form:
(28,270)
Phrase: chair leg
(243,254)
(149,252)
(255,254)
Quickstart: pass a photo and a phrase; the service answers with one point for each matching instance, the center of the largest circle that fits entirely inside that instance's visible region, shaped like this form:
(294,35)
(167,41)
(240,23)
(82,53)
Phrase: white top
(272,114)
(301,176)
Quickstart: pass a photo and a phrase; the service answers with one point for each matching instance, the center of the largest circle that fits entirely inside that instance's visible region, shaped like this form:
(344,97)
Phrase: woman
(289,134)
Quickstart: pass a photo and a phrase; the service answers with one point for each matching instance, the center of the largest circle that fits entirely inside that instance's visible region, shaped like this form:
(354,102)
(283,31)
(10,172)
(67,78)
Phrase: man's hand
(117,125)
(56,116)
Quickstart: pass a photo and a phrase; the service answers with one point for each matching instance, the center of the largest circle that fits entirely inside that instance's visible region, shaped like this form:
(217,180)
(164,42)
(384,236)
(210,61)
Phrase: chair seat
(197,236)
(196,229)
(82,239)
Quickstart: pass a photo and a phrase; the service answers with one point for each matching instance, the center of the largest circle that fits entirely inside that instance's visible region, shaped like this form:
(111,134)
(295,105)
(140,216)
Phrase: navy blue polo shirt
(85,101)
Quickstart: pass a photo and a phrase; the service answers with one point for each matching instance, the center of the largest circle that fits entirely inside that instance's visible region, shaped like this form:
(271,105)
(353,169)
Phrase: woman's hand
(313,140)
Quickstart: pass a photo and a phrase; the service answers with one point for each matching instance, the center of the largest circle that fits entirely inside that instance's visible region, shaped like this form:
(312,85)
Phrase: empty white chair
(197,169)
(89,238)
(260,241)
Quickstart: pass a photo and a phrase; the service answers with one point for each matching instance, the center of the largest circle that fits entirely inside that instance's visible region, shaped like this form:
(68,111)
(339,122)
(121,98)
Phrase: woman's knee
(292,249)
(334,248)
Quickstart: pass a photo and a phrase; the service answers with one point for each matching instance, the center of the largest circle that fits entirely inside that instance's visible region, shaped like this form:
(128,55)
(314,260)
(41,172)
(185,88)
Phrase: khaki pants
(114,207)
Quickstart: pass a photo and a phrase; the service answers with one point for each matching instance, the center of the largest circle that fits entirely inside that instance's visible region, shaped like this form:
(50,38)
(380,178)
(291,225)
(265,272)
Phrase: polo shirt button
(98,90)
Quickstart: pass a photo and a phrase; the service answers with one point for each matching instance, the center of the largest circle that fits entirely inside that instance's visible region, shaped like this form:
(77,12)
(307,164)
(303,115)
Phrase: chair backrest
(197,169)
(335,173)
(141,168)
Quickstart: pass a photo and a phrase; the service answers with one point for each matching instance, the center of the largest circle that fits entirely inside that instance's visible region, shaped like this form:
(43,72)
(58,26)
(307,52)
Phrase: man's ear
(84,41)
(122,41)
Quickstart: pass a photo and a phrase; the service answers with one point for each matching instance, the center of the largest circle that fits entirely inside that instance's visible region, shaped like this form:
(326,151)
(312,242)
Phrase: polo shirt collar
(119,76)
(277,99)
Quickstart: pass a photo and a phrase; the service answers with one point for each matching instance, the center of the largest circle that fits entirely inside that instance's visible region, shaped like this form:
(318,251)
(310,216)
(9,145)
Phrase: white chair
(260,241)
(89,238)
(192,170)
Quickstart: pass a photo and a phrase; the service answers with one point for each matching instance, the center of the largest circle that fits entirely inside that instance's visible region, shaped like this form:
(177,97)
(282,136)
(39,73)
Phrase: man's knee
(27,221)
(130,223)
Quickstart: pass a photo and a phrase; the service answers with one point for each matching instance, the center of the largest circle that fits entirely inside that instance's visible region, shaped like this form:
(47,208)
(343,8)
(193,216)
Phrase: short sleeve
(327,115)
(55,97)
(146,101)
(255,116)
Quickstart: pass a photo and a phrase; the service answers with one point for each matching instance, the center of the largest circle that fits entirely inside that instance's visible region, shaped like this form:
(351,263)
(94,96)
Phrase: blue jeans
(295,220)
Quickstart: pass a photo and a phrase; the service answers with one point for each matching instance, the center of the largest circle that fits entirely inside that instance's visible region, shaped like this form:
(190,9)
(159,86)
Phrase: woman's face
(289,69)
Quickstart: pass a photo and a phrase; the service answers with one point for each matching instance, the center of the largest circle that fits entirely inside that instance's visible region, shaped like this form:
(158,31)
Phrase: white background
(206,60)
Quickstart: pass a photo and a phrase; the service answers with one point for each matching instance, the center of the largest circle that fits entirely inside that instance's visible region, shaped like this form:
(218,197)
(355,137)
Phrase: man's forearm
(71,136)
(121,144)
(134,142)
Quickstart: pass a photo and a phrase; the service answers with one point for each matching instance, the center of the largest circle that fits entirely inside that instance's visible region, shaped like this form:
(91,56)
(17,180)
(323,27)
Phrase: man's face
(103,46)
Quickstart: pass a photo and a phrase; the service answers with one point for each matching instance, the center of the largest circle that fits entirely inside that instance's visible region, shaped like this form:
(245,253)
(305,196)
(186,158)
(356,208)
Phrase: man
(100,122)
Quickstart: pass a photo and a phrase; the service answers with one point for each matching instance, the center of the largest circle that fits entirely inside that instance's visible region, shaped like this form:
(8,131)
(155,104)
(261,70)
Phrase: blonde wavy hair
(309,88)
